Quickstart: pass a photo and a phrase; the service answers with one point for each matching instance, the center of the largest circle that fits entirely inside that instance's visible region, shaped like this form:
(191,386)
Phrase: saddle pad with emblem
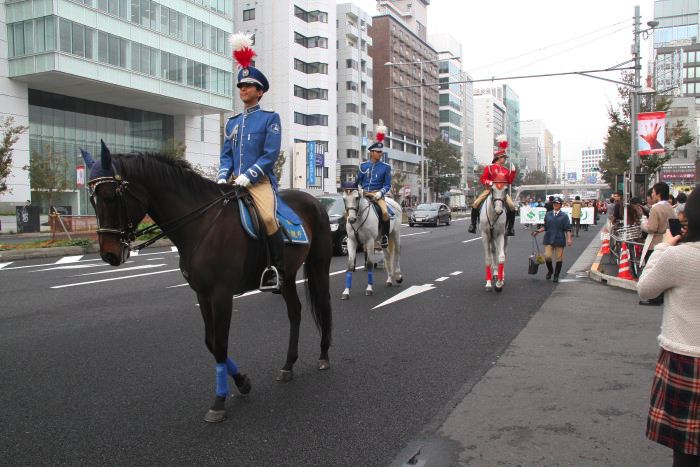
(292,228)
(378,210)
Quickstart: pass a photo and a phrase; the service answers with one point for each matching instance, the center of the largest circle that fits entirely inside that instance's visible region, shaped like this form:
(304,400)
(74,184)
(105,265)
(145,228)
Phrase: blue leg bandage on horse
(348,280)
(231,367)
(221,380)
(370,277)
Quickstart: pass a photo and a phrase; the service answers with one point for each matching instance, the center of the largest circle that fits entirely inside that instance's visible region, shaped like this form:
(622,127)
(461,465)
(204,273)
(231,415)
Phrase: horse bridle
(357,212)
(502,199)
(127,231)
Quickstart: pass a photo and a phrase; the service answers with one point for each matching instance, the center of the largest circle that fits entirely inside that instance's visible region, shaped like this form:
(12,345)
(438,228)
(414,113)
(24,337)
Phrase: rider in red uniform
(496,172)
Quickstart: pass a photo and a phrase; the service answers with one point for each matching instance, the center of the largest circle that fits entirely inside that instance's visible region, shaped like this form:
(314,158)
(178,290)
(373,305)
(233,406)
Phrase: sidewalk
(571,389)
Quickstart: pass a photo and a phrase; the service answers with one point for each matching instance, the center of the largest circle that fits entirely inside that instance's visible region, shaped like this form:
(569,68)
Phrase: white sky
(574,108)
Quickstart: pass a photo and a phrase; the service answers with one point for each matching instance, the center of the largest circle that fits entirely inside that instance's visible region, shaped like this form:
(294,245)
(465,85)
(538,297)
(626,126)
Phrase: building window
(311,42)
(311,94)
(352,108)
(352,130)
(310,120)
(310,16)
(352,154)
(249,15)
(311,68)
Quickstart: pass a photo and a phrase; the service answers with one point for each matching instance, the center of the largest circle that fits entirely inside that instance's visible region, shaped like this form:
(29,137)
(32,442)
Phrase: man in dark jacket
(557,228)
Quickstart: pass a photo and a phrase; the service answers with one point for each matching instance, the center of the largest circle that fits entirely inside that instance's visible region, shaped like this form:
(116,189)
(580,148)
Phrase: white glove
(378,195)
(243,181)
(221,181)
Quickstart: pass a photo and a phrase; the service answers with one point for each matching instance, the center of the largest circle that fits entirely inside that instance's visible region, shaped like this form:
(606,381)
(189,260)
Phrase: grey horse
(492,223)
(363,229)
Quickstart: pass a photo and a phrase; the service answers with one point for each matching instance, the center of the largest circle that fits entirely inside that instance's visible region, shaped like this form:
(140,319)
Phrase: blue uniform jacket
(252,142)
(374,176)
(555,228)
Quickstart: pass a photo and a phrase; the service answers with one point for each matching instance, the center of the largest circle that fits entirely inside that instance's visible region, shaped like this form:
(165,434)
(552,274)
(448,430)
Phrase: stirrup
(385,241)
(269,274)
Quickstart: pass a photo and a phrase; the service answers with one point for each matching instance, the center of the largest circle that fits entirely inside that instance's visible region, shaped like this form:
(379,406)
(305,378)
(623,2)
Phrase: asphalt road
(107,366)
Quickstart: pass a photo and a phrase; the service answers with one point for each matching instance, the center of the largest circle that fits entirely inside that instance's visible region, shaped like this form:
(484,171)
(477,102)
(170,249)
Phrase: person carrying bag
(535,259)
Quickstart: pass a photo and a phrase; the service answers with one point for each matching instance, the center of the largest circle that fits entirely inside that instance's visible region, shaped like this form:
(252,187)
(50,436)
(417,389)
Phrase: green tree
(175,149)
(279,165)
(48,174)
(536,177)
(398,179)
(444,166)
(519,177)
(10,134)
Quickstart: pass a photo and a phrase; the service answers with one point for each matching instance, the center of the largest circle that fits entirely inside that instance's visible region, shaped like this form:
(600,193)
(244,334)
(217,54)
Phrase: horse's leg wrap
(370,277)
(221,380)
(231,367)
(489,273)
(500,271)
(348,280)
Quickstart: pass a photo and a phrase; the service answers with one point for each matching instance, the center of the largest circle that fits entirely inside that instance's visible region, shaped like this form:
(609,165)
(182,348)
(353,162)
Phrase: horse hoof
(399,280)
(369,292)
(488,288)
(345,296)
(215,416)
(245,386)
(389,283)
(498,289)
(285,376)
(324,364)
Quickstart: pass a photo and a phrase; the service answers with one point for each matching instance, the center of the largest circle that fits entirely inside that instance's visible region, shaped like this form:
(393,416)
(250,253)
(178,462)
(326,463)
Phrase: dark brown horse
(217,257)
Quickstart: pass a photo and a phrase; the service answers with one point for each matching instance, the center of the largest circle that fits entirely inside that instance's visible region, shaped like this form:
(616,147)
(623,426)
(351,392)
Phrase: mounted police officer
(496,172)
(252,141)
(374,179)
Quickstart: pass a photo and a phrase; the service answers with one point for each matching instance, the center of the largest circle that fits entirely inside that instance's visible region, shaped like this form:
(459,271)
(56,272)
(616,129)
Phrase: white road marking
(152,259)
(456,273)
(409,292)
(2,265)
(440,279)
(69,259)
(71,266)
(173,249)
(113,279)
(48,264)
(471,240)
(416,233)
(110,271)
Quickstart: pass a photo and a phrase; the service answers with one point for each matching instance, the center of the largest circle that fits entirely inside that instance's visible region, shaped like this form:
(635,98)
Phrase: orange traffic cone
(623,271)
(605,247)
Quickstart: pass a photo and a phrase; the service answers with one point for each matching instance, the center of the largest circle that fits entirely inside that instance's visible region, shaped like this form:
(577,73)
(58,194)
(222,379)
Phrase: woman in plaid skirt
(673,269)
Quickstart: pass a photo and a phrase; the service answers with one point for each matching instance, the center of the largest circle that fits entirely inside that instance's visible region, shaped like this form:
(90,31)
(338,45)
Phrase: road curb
(607,279)
(33,253)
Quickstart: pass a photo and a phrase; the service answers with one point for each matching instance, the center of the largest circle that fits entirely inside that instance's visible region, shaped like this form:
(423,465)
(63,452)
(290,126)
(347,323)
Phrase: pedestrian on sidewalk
(557,228)
(655,226)
(674,412)
(576,207)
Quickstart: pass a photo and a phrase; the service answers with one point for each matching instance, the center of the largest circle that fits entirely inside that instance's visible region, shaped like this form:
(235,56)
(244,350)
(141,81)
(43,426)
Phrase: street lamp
(422,123)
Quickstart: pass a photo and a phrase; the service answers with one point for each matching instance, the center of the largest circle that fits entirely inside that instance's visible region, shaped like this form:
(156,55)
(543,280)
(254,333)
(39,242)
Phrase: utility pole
(628,186)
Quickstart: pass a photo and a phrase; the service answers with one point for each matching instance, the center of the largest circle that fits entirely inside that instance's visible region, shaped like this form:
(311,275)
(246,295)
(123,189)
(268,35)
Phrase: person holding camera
(674,412)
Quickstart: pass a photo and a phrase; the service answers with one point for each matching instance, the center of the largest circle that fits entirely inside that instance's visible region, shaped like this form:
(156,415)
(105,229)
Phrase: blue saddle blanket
(292,228)
(378,211)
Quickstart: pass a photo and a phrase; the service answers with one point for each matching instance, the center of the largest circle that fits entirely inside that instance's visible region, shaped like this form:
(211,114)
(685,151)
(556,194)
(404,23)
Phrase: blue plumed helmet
(243,54)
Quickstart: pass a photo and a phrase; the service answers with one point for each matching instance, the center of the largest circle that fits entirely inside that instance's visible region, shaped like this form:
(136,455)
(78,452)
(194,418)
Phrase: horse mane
(164,169)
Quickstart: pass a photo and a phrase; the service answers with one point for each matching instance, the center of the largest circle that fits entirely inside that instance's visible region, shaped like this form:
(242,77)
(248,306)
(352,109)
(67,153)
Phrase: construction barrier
(623,270)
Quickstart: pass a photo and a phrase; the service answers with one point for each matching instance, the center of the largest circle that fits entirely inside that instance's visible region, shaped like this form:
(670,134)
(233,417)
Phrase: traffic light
(619,182)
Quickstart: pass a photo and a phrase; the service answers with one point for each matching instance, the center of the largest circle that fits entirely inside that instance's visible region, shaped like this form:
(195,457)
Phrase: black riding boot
(557,270)
(549,269)
(475,219)
(272,276)
(385,226)
(510,222)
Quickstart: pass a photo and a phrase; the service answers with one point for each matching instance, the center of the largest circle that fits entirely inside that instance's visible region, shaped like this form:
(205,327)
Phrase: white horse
(492,223)
(363,229)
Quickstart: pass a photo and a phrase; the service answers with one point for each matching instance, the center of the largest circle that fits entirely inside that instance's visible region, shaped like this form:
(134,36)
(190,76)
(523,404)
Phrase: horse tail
(316,271)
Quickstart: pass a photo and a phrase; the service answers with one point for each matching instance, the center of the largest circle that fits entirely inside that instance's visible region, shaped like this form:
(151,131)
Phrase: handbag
(534,260)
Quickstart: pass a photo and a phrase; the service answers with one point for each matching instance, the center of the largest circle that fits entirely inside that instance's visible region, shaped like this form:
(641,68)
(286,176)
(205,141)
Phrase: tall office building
(489,122)
(401,56)
(590,165)
(677,72)
(355,104)
(537,149)
(511,100)
(141,75)
(456,102)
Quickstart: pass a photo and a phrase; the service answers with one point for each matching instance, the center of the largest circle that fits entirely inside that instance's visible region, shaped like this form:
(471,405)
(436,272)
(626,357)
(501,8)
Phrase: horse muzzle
(352,220)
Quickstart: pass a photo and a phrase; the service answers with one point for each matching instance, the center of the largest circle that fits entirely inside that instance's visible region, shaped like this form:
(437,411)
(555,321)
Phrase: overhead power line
(549,46)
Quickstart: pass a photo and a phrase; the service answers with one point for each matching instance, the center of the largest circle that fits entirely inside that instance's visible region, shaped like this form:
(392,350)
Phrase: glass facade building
(142,75)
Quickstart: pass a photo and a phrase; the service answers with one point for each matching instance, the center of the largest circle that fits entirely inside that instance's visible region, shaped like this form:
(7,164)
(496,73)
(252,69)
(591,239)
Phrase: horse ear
(87,157)
(105,156)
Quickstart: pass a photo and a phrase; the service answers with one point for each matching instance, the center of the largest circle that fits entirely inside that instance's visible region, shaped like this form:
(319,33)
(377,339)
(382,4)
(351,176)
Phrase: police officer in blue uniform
(252,142)
(374,177)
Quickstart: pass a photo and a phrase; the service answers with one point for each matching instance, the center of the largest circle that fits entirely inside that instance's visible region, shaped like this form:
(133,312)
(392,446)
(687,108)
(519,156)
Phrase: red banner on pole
(651,133)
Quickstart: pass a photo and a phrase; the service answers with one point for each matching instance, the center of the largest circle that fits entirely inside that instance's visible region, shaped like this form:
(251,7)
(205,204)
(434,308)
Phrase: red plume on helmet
(381,131)
(242,51)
